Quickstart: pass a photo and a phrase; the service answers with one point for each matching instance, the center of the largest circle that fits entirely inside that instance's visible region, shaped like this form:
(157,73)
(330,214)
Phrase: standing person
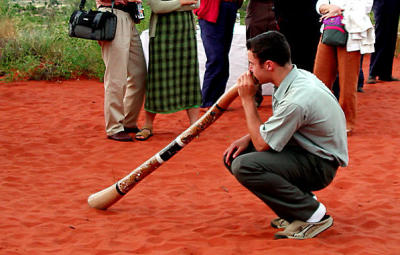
(298,149)
(173,79)
(216,19)
(260,18)
(344,61)
(360,82)
(299,22)
(386,13)
(125,74)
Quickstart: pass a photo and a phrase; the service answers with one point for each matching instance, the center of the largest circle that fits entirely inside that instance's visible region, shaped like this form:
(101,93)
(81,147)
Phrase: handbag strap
(83,2)
(82,5)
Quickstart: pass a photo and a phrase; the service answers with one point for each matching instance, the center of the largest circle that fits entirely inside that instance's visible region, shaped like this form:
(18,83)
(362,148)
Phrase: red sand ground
(54,154)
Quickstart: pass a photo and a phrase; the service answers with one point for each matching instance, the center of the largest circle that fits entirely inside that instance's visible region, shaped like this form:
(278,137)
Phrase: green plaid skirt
(173,76)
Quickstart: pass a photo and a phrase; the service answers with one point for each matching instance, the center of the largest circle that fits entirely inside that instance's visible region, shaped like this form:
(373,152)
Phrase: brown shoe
(371,80)
(305,230)
(279,223)
(121,137)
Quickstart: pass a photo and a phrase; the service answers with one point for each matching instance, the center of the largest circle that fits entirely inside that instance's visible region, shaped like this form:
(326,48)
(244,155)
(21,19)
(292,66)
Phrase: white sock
(318,214)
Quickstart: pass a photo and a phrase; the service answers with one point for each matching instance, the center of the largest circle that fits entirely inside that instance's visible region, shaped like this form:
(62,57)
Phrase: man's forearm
(254,122)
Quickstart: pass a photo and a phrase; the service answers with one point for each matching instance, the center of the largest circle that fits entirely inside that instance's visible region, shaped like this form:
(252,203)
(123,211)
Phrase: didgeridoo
(108,196)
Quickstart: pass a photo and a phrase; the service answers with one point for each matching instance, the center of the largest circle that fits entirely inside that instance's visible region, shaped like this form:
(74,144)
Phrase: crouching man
(298,149)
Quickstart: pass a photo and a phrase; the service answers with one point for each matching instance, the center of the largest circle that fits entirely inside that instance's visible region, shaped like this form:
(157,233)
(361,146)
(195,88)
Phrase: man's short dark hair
(270,45)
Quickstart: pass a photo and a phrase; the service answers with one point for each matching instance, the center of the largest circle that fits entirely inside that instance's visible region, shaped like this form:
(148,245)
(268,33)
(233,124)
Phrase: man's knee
(228,166)
(251,174)
(240,169)
(234,166)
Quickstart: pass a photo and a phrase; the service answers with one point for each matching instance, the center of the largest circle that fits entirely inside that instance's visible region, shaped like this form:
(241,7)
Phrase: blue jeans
(386,14)
(217,40)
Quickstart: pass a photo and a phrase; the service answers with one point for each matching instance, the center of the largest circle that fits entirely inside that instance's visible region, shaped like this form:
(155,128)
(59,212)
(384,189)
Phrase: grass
(34,42)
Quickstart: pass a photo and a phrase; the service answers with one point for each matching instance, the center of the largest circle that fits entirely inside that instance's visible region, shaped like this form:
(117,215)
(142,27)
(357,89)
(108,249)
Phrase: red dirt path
(54,154)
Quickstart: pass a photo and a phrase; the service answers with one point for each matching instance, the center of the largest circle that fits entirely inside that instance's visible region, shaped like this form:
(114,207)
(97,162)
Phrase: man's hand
(188,2)
(135,1)
(247,89)
(246,86)
(236,148)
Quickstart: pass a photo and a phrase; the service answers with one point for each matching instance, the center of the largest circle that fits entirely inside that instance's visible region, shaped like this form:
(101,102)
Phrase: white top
(357,23)
(162,6)
(363,5)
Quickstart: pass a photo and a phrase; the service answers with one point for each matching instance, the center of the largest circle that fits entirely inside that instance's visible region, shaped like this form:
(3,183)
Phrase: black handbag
(334,33)
(93,25)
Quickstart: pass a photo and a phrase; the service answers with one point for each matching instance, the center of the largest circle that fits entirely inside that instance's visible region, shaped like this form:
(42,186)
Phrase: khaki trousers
(284,180)
(125,75)
(331,61)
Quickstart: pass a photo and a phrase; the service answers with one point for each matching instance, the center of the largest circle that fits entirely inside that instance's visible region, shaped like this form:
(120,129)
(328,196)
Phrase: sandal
(144,134)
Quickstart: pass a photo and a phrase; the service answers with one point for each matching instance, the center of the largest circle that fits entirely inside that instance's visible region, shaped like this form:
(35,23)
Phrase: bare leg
(193,114)
(147,129)
(149,119)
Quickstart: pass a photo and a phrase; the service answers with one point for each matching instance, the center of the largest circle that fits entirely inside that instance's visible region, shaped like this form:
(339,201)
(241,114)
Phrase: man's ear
(268,65)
